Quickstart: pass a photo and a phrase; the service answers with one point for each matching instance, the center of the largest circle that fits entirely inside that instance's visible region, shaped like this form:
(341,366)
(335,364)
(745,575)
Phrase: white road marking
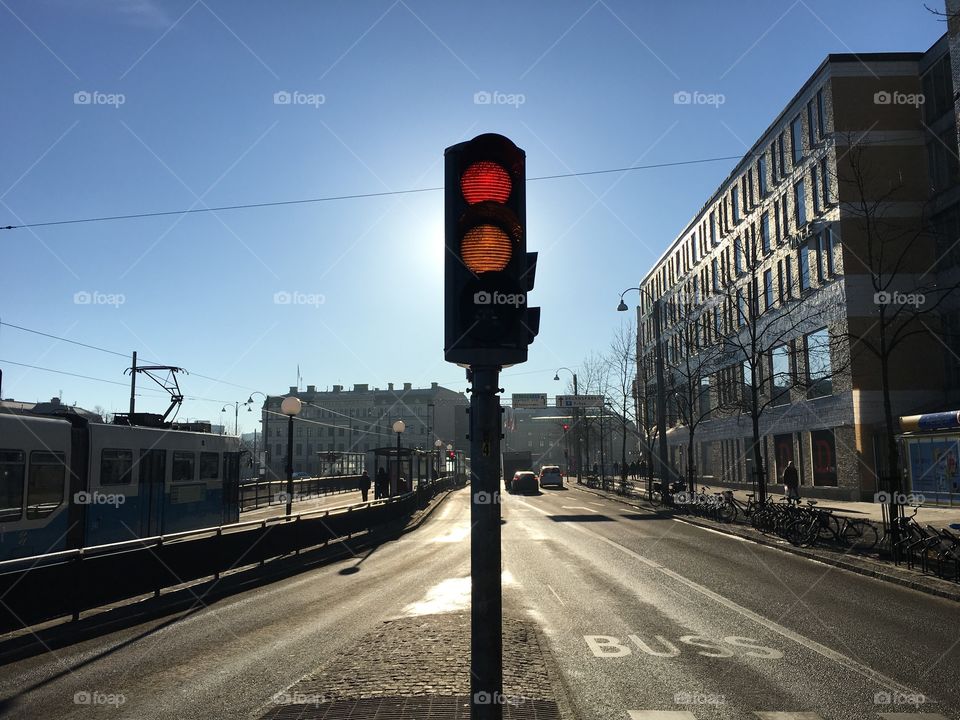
(597,504)
(661,715)
(802,640)
(557,596)
(718,532)
(576,507)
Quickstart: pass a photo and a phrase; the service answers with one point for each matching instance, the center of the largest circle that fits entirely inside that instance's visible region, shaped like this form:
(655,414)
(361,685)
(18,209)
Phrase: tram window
(183,463)
(12,464)
(209,466)
(48,472)
(116,467)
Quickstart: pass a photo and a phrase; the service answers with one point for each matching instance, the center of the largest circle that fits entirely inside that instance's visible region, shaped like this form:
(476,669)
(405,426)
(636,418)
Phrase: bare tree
(623,373)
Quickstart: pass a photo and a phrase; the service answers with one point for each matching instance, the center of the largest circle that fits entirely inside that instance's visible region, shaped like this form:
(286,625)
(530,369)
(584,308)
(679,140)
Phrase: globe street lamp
(438,443)
(291,407)
(249,404)
(398,427)
(576,412)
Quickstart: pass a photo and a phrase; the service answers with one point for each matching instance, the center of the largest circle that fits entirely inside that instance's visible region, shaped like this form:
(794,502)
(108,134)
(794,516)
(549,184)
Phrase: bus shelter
(340,463)
(406,468)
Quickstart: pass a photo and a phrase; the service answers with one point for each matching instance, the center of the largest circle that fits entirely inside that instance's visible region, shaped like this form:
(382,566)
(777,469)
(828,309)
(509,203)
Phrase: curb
(947,593)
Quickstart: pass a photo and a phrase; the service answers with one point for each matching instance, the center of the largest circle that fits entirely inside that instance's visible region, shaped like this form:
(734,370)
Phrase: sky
(114,107)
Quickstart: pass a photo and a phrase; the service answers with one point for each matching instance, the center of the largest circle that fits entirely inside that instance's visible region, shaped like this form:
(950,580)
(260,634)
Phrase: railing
(44,587)
(265,493)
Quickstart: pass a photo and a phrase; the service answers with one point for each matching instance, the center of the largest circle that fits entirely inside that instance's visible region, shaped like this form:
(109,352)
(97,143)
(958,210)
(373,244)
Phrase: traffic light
(451,455)
(488,271)
(565,427)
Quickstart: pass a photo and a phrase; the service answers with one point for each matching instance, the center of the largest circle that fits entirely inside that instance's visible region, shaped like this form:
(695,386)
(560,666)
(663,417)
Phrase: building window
(799,205)
(735,203)
(713,228)
(788,267)
(782,155)
(765,232)
(781,377)
(811,125)
(738,256)
(768,289)
(796,140)
(784,216)
(828,249)
(819,373)
(823,452)
(183,465)
(780,287)
(815,191)
(825,181)
(716,275)
(742,310)
(803,263)
(762,175)
(820,115)
(298,449)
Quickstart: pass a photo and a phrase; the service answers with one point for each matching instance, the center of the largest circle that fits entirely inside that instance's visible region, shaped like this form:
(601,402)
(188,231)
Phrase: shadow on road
(580,518)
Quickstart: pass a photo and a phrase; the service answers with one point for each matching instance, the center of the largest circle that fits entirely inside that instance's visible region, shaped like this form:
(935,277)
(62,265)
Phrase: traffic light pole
(486,644)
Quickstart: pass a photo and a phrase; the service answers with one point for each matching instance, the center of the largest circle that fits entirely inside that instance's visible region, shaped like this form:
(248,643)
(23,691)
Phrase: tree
(622,364)
(899,256)
(760,330)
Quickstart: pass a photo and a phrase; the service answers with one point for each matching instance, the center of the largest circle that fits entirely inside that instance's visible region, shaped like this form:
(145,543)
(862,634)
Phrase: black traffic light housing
(488,271)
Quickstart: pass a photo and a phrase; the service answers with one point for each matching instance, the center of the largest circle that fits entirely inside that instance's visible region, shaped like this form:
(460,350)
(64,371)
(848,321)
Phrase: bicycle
(861,535)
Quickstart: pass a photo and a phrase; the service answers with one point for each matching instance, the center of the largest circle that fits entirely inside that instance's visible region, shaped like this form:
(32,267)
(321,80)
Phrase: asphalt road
(645,616)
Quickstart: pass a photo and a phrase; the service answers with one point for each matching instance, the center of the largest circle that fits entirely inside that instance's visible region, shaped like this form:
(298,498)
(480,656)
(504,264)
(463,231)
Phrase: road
(643,614)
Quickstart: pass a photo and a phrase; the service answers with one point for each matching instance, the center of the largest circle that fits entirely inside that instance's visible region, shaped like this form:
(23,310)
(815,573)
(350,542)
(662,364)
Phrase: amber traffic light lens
(485,181)
(486,248)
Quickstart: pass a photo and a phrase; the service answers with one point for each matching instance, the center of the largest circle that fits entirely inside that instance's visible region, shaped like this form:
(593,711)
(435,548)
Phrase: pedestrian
(791,483)
(364,485)
(381,484)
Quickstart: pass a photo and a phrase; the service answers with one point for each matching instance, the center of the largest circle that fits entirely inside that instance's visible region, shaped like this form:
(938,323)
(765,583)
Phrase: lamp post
(456,470)
(576,413)
(398,427)
(438,443)
(290,407)
(661,388)
(236,408)
(263,433)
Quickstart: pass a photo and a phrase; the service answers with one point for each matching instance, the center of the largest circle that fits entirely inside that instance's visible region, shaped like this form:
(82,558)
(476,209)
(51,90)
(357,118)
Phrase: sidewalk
(419,667)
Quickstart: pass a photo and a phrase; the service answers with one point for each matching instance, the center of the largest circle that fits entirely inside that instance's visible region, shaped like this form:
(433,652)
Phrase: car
(301,475)
(551,475)
(524,482)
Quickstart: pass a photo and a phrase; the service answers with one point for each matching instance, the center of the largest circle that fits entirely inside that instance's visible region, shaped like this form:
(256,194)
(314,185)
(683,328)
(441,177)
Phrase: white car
(551,475)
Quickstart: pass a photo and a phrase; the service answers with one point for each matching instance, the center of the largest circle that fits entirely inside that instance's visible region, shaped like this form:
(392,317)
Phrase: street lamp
(661,387)
(398,427)
(576,412)
(291,407)
(236,408)
(438,443)
(249,404)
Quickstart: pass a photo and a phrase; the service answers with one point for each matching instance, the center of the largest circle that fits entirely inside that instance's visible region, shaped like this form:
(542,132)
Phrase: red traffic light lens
(485,181)
(486,248)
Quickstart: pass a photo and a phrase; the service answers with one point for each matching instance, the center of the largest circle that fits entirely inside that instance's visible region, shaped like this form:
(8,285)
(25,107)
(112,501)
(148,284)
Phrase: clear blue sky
(198,125)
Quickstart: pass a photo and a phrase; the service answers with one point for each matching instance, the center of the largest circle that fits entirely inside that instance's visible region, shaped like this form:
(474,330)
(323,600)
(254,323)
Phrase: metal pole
(133,386)
(289,465)
(236,421)
(603,477)
(486,643)
(576,419)
(398,462)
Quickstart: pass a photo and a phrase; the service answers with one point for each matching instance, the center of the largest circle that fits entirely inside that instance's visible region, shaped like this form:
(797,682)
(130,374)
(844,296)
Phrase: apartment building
(775,282)
(361,419)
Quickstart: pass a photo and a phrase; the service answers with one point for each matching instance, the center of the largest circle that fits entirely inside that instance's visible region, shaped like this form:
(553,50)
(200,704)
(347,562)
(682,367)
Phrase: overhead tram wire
(355,196)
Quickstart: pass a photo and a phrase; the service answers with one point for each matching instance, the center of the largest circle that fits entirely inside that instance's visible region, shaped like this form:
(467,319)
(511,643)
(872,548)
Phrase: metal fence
(44,587)
(265,493)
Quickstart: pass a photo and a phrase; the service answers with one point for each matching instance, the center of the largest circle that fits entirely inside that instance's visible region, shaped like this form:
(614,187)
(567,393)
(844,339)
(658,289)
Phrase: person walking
(379,490)
(364,485)
(791,483)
